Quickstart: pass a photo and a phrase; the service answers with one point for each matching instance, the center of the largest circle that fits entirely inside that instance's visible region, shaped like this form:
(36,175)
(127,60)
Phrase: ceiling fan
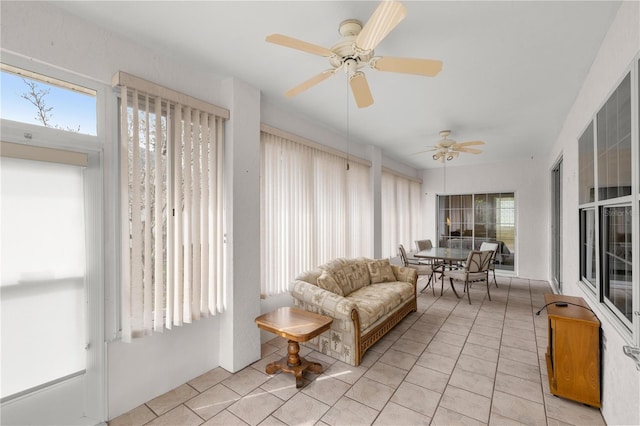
(449,149)
(355,50)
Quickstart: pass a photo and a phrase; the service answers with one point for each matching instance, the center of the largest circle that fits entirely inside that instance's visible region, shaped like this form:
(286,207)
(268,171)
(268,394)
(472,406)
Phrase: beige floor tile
(370,358)
(418,335)
(450,338)
(519,355)
(370,393)
(428,378)
(395,414)
(462,330)
(136,417)
(498,420)
(486,331)
(255,407)
(246,380)
(349,412)
(481,352)
(477,365)
(572,412)
(180,415)
(281,385)
(386,374)
(483,340)
(301,409)
(417,398)
(212,401)
(425,327)
(224,418)
(272,421)
(267,349)
(459,320)
(345,372)
(443,348)
(487,322)
(473,382)
(519,387)
(326,389)
(446,417)
(213,377)
(520,343)
(398,359)
(519,409)
(172,399)
(409,346)
(520,323)
(437,362)
(467,403)
(519,369)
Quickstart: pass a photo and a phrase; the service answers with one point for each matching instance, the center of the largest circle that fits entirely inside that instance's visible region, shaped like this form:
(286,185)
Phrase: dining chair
(476,269)
(492,265)
(423,245)
(423,269)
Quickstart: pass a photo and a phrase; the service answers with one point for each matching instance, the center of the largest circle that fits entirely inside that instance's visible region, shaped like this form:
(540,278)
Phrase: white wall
(528,179)
(621,380)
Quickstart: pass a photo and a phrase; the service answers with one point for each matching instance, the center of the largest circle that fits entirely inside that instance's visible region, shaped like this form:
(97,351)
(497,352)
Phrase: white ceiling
(511,69)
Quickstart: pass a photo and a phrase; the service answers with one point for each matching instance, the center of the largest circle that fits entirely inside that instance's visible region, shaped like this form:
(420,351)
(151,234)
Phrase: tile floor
(450,363)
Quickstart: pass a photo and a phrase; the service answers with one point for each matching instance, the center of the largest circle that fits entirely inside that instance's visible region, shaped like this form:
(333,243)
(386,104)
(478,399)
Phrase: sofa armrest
(402,273)
(322,301)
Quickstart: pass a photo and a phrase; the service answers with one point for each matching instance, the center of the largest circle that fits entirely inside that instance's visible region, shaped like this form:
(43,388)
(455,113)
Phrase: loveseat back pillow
(327,282)
(350,274)
(380,271)
(310,276)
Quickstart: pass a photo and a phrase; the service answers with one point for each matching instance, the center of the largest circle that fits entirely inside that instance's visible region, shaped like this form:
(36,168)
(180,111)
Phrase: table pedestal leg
(294,363)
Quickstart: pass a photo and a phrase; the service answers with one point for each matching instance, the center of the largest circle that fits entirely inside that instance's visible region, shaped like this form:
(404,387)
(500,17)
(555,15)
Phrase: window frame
(628,330)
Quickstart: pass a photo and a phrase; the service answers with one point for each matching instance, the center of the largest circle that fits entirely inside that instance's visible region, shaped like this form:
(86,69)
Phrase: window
(468,220)
(171,167)
(606,216)
(314,209)
(401,212)
(29,97)
(588,246)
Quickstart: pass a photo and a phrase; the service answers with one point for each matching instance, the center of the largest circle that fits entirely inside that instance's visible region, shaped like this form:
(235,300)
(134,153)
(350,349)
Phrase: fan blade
(309,83)
(387,15)
(360,89)
(469,143)
(469,150)
(294,43)
(427,67)
(426,150)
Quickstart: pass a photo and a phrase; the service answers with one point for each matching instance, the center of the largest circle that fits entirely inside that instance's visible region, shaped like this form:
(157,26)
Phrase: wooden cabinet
(573,353)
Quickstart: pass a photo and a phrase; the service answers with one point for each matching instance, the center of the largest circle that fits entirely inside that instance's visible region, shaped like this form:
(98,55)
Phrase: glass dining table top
(443,253)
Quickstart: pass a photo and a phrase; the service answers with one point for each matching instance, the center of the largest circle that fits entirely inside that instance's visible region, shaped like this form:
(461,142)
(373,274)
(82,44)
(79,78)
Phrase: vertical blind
(401,213)
(313,210)
(171,151)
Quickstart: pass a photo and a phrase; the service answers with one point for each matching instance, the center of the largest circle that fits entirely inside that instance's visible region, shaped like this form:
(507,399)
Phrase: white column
(239,335)
(375,154)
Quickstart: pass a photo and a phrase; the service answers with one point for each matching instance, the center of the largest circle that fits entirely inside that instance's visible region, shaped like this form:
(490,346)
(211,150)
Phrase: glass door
(556,226)
(43,290)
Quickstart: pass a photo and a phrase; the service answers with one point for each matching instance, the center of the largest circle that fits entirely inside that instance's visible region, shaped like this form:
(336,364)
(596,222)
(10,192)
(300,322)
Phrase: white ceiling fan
(449,149)
(355,50)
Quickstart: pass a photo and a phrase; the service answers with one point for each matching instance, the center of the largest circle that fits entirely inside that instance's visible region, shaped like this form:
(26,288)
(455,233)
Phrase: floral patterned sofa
(366,298)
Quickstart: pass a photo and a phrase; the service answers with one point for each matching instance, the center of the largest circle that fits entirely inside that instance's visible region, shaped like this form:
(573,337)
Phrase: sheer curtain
(171,153)
(313,209)
(401,212)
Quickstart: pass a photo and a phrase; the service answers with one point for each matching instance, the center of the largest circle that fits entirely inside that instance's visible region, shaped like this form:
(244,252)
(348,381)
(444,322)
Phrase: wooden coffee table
(296,325)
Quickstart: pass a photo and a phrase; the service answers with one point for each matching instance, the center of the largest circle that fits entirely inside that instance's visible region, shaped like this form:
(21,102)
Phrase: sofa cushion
(350,274)
(377,300)
(310,276)
(327,282)
(380,271)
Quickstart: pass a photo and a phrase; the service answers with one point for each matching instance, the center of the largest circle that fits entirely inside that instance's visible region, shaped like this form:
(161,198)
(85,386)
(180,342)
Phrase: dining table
(444,257)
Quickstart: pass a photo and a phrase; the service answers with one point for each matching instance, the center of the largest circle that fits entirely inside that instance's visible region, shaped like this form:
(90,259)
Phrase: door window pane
(43,265)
